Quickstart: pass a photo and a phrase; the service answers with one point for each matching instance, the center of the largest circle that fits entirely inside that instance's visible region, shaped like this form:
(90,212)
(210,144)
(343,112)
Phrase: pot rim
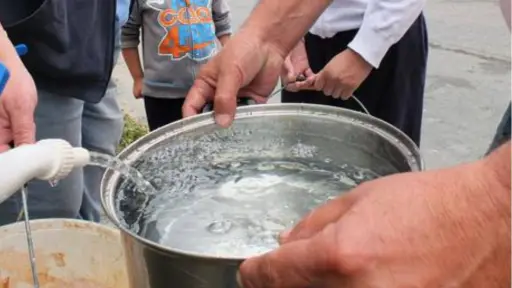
(133,152)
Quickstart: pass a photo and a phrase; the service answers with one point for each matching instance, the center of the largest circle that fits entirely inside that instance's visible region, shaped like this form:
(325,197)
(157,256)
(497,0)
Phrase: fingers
(309,73)
(309,84)
(293,265)
(320,81)
(5,139)
(337,92)
(333,87)
(319,218)
(196,99)
(229,84)
(4,147)
(23,126)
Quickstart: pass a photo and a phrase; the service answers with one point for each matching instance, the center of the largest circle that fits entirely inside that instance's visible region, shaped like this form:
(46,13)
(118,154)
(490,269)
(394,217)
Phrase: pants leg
(401,98)
(502,132)
(102,128)
(161,112)
(56,116)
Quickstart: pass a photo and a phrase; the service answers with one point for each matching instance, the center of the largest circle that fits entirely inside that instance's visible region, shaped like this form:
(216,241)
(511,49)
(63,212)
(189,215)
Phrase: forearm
(132,59)
(282,23)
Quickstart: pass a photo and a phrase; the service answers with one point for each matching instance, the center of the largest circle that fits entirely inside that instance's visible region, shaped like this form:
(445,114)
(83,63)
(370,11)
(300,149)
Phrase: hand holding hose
(17,100)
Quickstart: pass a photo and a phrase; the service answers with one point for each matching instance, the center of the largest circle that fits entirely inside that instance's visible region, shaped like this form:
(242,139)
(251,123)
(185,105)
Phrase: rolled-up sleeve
(130,33)
(385,23)
(221,15)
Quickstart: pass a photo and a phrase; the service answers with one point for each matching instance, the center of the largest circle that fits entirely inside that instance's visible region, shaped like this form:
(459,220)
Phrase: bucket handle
(245,101)
(360,104)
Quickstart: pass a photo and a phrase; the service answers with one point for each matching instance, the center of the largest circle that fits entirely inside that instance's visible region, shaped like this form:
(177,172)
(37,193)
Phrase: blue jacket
(70,42)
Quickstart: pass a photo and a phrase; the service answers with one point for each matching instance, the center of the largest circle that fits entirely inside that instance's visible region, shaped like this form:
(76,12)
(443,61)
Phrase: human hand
(445,228)
(137,88)
(17,104)
(297,64)
(342,75)
(246,66)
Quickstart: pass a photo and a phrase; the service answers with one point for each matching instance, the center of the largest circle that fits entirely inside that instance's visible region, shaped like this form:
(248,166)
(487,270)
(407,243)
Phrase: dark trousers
(393,92)
(503,132)
(161,112)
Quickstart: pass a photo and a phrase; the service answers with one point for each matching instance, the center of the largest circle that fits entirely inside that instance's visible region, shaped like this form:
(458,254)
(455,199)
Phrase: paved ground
(468,84)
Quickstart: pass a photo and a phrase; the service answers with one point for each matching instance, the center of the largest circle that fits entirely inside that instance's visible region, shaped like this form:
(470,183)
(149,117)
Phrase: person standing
(178,37)
(72,48)
(374,50)
(405,230)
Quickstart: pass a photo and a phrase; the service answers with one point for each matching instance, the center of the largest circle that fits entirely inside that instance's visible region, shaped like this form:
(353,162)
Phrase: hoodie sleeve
(130,33)
(221,15)
(385,22)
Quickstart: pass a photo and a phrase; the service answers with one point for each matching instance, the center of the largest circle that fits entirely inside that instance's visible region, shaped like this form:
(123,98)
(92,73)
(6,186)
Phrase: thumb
(197,98)
(319,218)
(23,128)
(293,265)
(290,71)
(229,84)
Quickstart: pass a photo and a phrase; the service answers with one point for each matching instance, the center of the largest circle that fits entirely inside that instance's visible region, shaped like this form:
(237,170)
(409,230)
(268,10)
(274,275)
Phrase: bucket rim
(48,224)
(133,152)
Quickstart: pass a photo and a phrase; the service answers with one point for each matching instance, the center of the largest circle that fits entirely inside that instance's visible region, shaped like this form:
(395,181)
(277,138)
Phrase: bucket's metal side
(167,267)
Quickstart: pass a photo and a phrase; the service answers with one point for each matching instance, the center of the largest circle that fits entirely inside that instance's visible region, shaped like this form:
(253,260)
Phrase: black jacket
(70,43)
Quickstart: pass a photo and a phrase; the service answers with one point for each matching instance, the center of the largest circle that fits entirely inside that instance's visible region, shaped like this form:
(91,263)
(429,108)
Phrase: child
(177,37)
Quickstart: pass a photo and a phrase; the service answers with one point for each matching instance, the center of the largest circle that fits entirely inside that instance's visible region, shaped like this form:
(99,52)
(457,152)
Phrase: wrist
(280,24)
(493,174)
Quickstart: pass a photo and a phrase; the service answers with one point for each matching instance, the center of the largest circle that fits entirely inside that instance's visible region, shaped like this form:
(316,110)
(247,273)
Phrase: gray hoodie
(177,37)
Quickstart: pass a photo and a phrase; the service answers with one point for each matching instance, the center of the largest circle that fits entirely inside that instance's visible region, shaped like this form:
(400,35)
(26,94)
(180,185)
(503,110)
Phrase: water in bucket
(230,207)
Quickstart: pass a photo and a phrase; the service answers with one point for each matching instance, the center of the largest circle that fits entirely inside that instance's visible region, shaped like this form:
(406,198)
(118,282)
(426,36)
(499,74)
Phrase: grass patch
(132,131)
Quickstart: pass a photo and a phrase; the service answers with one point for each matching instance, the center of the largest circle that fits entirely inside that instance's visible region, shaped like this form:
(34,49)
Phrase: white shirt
(381,24)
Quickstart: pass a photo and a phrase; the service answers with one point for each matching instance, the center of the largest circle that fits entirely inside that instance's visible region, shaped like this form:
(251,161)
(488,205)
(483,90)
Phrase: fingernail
(223,120)
(239,280)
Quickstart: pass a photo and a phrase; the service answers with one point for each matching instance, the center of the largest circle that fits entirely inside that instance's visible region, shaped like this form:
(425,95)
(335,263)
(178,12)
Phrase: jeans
(96,127)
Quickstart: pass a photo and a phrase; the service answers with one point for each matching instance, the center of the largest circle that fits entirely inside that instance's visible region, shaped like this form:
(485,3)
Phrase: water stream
(127,171)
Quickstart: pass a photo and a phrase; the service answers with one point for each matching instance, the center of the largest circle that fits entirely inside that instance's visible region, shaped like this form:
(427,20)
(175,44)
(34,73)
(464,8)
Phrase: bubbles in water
(220,227)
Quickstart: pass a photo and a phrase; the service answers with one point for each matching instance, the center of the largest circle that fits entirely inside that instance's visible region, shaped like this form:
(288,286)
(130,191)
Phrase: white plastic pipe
(51,159)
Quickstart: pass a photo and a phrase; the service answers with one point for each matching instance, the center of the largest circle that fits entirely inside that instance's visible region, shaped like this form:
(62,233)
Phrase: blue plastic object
(4,76)
(21,49)
(4,73)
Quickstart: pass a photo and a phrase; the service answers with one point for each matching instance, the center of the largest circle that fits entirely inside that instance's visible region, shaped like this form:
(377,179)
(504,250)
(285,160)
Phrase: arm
(384,23)
(130,35)
(281,24)
(222,19)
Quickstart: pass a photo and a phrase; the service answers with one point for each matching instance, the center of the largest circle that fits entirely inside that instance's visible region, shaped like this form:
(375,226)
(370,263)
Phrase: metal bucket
(69,253)
(191,233)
